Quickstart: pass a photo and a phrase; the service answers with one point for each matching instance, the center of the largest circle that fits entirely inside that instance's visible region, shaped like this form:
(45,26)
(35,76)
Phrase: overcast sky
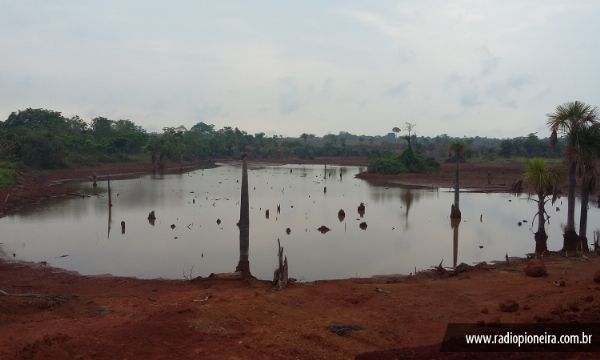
(488,68)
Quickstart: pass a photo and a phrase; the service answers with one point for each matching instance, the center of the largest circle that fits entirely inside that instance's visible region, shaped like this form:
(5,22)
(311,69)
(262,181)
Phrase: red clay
(231,319)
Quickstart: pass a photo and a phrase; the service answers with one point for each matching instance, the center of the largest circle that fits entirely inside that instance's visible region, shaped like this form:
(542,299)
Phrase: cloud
(207,113)
(322,66)
(290,98)
(470,98)
(505,90)
(378,23)
(398,89)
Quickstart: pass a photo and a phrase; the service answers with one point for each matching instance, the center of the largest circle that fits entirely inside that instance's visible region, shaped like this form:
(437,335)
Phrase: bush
(387,164)
(408,162)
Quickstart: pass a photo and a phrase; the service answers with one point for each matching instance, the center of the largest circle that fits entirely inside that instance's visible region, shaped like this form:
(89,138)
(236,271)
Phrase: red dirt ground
(127,318)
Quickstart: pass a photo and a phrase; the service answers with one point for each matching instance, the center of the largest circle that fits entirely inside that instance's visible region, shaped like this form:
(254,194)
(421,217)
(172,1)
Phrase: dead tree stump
(280,277)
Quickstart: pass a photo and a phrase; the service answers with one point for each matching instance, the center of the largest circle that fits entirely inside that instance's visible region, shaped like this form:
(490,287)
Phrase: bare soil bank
(34,188)
(106,317)
(473,177)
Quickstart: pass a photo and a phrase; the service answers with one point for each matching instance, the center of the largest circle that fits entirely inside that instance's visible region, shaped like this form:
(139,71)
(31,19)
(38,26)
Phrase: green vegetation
(407,162)
(574,120)
(45,139)
(8,173)
(543,180)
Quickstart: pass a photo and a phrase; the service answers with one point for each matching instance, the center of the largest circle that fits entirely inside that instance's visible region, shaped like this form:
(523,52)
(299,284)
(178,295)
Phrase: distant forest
(45,139)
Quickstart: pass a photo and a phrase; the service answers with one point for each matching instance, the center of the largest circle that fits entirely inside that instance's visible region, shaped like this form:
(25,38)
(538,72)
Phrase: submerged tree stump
(280,277)
(151,218)
(361,209)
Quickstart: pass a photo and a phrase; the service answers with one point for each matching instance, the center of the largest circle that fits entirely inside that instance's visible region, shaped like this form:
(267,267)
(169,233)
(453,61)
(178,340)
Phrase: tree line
(46,139)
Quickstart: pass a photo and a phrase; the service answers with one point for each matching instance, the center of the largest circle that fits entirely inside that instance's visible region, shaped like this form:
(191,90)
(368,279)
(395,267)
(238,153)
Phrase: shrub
(409,161)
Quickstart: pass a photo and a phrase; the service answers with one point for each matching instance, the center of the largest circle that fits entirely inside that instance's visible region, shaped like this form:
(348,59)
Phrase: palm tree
(589,151)
(570,119)
(543,180)
(457,148)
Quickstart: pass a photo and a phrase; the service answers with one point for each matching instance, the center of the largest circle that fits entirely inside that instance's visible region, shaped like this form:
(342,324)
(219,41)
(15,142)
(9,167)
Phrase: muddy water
(406,228)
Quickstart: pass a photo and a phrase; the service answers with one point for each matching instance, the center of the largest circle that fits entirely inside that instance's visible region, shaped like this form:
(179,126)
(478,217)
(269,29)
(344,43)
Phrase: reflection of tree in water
(109,220)
(454,223)
(407,197)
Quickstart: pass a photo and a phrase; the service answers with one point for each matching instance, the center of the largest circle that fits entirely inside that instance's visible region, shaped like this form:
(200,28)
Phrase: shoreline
(474,177)
(33,188)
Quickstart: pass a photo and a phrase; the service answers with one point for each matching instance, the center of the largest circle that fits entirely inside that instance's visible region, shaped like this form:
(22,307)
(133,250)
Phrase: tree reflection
(454,223)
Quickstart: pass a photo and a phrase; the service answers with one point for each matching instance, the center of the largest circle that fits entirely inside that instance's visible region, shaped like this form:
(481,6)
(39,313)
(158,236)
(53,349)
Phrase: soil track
(128,318)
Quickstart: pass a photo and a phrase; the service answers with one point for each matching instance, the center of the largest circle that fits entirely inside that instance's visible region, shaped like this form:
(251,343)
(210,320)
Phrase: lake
(406,228)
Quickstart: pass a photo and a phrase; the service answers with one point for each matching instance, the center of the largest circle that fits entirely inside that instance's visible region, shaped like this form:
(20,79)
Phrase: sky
(463,68)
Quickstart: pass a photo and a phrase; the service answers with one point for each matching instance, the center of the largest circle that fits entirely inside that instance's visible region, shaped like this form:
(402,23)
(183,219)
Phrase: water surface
(406,228)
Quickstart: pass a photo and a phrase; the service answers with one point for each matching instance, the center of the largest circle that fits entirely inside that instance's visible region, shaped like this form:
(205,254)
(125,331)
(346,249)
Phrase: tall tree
(542,180)
(409,127)
(457,148)
(569,120)
(589,152)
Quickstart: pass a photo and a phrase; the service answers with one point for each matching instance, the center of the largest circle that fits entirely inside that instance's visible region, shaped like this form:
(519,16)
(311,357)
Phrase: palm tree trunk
(570,238)
(585,196)
(571,196)
(541,244)
(456,197)
(455,210)
(244,224)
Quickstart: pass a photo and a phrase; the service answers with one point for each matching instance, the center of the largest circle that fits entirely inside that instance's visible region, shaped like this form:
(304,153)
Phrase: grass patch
(8,173)
(7,177)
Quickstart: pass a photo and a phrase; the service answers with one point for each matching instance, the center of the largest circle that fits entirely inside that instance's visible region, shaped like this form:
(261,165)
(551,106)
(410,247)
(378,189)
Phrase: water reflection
(454,223)
(193,202)
(109,220)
